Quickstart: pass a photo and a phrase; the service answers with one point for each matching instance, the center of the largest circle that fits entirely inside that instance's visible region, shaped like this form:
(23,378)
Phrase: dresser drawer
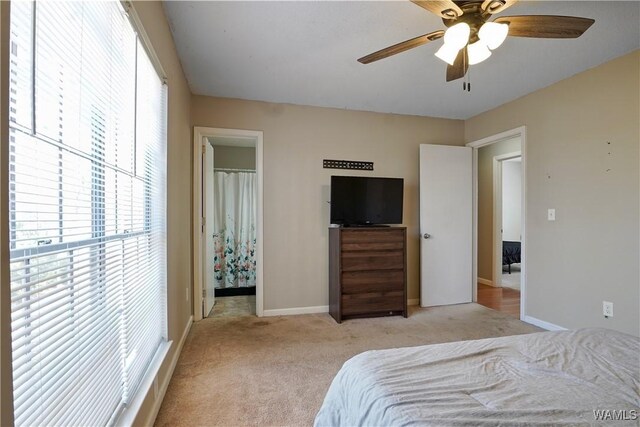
(373,236)
(375,302)
(356,282)
(373,260)
(372,246)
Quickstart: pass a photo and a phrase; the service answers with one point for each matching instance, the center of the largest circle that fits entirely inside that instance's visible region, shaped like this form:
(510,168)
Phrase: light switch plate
(551,214)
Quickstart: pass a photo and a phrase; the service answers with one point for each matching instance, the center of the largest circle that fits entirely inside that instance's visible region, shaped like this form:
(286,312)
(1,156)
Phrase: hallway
(505,300)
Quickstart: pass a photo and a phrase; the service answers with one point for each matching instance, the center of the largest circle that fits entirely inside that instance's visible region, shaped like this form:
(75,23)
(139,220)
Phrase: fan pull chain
(468,78)
(466,81)
(466,84)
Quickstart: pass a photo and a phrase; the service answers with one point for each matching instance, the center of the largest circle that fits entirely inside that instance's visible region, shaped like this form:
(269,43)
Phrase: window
(87,200)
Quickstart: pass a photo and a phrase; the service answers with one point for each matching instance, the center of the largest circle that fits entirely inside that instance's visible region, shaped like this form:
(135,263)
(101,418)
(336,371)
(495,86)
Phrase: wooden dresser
(367,272)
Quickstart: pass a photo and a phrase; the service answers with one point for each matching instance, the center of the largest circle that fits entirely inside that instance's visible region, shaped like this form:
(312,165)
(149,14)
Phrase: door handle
(426,235)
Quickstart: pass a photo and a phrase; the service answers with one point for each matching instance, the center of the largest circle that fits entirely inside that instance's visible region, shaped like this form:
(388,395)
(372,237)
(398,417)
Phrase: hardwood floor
(505,300)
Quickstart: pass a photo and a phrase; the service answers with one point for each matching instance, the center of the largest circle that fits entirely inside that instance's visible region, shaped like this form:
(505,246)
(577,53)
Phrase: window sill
(128,415)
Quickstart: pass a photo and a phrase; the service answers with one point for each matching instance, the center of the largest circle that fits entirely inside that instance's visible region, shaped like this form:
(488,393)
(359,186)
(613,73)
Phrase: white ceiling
(305,53)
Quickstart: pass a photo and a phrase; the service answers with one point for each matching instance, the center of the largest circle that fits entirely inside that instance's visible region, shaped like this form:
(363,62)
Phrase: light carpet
(275,371)
(512,280)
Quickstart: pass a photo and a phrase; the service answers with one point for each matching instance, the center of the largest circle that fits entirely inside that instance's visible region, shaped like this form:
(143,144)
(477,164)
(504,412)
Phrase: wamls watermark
(615,415)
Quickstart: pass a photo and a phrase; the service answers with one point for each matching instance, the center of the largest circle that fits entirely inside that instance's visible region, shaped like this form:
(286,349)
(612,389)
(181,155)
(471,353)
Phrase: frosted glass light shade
(478,52)
(493,34)
(457,36)
(447,53)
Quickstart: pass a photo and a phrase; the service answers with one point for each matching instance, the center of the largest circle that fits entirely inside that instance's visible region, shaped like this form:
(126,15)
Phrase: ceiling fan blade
(459,67)
(496,6)
(401,47)
(443,8)
(546,26)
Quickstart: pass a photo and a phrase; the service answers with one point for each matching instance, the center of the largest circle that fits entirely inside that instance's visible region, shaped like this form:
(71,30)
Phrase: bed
(510,253)
(547,378)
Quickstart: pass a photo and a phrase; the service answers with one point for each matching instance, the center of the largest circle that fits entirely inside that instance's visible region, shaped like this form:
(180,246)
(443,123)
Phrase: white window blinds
(87,215)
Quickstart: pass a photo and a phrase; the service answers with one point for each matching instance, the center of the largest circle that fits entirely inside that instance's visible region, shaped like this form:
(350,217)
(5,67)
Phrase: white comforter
(548,378)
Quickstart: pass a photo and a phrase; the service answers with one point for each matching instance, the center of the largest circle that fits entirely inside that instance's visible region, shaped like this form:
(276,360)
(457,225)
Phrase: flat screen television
(358,201)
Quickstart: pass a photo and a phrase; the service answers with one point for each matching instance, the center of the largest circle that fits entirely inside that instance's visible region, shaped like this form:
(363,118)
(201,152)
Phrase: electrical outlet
(187,291)
(551,214)
(607,309)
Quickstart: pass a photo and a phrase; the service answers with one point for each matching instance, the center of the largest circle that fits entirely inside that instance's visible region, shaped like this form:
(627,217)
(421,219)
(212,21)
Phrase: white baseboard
(415,301)
(542,324)
(296,310)
(486,282)
(151,418)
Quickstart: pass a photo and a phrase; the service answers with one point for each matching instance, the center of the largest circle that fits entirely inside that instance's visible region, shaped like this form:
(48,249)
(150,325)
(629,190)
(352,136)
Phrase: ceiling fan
(470,36)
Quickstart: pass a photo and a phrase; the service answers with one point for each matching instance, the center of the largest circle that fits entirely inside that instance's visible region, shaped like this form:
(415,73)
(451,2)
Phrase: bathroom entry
(232,251)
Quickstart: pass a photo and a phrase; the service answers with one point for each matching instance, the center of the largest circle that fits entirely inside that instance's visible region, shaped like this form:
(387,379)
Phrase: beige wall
(6,400)
(178,183)
(591,252)
(234,157)
(485,202)
(296,187)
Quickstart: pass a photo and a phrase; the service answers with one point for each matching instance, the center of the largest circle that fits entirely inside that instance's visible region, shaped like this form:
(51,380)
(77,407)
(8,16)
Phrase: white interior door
(208,205)
(446,225)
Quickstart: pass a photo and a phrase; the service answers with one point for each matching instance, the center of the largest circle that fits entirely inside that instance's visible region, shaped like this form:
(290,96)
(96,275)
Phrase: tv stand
(367,272)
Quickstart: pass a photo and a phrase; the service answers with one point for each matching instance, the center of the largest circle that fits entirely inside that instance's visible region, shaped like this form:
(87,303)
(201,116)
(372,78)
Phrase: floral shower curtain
(234,236)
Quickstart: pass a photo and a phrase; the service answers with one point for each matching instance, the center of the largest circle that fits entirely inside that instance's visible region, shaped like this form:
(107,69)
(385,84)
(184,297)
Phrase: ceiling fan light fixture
(457,36)
(447,53)
(493,34)
(468,29)
(478,52)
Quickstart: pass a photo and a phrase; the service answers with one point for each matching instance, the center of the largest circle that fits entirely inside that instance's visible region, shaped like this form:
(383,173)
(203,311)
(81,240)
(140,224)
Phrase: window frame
(127,414)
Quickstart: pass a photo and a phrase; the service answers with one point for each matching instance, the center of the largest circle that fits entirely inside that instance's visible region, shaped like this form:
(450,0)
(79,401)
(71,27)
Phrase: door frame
(208,198)
(497,214)
(476,145)
(199,133)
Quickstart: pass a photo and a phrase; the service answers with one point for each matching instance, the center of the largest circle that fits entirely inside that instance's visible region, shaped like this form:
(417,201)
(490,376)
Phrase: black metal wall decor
(347,164)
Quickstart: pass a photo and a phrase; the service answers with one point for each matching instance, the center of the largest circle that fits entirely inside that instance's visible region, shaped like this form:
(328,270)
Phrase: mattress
(583,377)
(510,253)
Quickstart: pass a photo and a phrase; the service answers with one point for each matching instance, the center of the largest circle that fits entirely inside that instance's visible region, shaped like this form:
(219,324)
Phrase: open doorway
(227,223)
(499,222)
(508,212)
(233,211)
